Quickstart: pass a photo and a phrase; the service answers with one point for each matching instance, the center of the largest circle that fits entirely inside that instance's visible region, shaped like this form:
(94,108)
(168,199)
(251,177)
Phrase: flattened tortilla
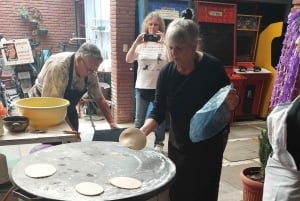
(89,188)
(126,182)
(40,170)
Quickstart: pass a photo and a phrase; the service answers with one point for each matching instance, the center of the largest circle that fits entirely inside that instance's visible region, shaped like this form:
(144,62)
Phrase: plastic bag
(211,118)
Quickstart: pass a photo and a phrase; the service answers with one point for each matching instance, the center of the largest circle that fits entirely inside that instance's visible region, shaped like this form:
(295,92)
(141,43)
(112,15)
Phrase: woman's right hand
(131,55)
(140,38)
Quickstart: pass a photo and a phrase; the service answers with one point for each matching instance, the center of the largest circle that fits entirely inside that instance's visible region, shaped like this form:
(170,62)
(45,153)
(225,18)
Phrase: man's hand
(113,125)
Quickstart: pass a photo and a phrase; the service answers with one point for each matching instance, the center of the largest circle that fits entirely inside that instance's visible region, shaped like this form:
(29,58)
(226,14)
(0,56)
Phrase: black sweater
(183,95)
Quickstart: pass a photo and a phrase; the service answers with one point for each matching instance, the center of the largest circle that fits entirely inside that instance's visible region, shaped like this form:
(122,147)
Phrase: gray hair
(90,50)
(182,32)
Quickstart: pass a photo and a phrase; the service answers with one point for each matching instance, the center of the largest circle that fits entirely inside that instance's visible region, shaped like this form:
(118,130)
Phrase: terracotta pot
(252,190)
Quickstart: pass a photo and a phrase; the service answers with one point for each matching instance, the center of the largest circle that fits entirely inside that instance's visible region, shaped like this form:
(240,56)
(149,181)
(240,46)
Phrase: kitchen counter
(53,134)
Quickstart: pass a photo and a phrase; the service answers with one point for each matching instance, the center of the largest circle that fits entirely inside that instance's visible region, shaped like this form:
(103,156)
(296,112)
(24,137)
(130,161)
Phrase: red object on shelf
(216,12)
(6,80)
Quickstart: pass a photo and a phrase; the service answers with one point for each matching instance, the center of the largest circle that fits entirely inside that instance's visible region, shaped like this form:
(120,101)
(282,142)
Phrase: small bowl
(16,123)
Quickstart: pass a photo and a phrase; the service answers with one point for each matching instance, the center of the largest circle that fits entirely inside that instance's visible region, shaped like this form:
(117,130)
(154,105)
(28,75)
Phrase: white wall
(97,14)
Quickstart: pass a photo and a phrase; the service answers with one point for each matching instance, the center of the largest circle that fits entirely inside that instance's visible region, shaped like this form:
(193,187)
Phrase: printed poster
(17,52)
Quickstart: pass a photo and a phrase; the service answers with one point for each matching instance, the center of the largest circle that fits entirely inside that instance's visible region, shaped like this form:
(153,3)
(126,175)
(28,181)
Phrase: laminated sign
(211,118)
(16,52)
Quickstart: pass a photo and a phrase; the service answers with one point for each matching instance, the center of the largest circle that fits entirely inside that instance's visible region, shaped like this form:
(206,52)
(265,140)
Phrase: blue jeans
(141,112)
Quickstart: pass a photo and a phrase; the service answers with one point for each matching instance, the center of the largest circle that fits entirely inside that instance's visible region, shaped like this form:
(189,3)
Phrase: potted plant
(31,14)
(40,57)
(253,177)
(42,31)
(23,13)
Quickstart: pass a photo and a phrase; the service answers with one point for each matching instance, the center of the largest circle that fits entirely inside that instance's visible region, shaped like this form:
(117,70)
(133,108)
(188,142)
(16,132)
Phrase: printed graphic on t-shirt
(152,57)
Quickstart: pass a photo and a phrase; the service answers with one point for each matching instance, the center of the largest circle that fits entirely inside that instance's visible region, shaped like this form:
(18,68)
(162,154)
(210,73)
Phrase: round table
(96,162)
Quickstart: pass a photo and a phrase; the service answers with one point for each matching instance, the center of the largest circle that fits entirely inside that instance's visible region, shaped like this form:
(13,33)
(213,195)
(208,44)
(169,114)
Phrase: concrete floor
(241,152)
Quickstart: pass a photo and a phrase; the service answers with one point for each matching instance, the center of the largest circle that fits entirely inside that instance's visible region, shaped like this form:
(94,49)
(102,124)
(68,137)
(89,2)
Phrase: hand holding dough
(133,138)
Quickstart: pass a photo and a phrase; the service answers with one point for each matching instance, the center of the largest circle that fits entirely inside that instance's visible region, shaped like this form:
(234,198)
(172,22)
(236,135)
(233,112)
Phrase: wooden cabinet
(250,93)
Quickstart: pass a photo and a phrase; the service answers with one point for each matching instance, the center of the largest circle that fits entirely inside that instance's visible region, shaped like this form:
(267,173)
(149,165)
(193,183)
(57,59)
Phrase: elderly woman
(184,86)
(150,52)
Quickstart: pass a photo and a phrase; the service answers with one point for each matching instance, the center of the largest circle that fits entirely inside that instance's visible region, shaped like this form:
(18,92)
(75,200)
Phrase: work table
(53,134)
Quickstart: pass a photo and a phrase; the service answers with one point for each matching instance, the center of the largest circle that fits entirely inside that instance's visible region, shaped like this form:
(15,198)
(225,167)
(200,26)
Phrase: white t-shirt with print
(151,57)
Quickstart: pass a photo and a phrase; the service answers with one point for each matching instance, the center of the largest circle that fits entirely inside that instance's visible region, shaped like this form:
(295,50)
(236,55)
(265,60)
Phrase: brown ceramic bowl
(16,123)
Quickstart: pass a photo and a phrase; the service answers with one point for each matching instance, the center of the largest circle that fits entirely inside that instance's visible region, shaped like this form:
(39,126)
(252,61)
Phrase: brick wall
(57,16)
(122,34)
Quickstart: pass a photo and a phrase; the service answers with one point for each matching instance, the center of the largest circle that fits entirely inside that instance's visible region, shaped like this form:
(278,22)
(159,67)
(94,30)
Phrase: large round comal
(43,112)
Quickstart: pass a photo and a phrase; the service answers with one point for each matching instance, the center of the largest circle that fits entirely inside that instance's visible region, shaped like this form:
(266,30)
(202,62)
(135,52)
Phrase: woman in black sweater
(183,87)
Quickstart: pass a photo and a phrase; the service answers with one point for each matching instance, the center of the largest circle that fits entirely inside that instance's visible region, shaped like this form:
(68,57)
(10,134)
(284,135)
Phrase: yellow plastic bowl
(43,112)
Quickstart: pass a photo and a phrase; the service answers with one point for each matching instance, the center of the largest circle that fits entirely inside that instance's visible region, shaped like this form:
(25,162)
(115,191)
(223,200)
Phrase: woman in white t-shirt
(151,54)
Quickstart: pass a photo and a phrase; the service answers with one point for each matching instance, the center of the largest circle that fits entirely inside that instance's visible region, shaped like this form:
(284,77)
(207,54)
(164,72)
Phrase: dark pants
(198,170)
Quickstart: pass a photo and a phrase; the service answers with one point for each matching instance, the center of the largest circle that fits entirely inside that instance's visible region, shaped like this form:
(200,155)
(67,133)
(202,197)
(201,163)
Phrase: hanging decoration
(288,66)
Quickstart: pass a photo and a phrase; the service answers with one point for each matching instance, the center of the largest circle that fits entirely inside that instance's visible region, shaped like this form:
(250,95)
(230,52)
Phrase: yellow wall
(263,59)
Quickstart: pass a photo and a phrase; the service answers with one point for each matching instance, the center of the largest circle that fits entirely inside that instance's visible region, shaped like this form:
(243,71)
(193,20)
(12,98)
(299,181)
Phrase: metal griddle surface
(94,162)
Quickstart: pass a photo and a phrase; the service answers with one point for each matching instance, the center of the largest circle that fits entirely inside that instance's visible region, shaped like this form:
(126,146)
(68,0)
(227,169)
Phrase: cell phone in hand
(151,37)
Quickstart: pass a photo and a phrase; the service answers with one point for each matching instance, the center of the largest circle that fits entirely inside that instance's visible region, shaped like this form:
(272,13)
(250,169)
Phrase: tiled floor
(241,151)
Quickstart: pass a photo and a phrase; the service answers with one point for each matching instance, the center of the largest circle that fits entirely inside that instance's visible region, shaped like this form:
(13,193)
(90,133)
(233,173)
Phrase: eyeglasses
(88,69)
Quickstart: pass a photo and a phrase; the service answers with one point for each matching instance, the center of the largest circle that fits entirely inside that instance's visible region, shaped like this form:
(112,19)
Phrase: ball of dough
(133,138)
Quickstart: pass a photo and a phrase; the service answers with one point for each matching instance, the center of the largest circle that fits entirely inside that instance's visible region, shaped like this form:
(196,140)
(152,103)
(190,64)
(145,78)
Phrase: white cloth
(212,118)
(282,179)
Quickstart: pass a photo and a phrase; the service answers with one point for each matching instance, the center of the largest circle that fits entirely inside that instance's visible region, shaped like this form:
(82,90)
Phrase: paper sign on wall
(17,52)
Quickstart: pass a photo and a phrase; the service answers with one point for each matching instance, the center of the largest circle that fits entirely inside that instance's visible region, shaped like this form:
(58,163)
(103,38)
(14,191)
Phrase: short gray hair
(182,32)
(90,50)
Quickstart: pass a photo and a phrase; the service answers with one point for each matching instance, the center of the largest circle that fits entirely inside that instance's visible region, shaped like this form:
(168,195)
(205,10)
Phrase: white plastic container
(13,155)
(4,176)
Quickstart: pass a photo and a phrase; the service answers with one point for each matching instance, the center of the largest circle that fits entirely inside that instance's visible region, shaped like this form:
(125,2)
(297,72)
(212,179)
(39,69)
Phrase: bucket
(12,154)
(4,177)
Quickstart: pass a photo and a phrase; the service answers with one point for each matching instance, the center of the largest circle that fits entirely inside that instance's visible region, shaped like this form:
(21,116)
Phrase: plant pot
(252,190)
(34,24)
(43,32)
